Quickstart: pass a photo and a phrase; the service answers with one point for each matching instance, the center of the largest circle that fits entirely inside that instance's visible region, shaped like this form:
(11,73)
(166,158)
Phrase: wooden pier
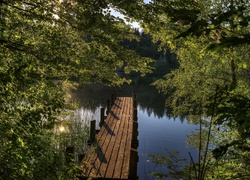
(113,153)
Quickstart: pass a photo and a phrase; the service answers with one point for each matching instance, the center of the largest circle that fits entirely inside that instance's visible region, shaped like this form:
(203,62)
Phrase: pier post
(115,95)
(102,117)
(108,106)
(92,131)
(134,100)
(134,104)
(112,99)
(133,94)
(133,164)
(135,142)
(135,118)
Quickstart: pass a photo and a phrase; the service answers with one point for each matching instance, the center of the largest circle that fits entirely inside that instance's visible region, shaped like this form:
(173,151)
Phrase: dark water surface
(157,134)
(157,129)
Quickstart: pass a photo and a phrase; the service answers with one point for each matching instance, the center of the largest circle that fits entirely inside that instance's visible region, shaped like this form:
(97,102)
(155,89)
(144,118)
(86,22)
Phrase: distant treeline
(145,47)
(165,61)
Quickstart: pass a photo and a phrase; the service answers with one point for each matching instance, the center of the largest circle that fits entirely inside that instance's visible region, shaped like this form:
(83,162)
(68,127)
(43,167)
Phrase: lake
(157,129)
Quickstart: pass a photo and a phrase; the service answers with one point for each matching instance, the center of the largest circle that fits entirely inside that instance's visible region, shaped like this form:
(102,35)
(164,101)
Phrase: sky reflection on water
(156,135)
(157,129)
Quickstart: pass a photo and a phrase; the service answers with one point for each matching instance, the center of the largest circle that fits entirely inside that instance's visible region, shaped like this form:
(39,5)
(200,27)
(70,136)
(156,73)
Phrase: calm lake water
(157,129)
(157,134)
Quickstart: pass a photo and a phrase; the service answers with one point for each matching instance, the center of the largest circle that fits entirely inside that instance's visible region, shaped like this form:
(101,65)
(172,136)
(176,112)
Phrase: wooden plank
(110,157)
(125,169)
(115,166)
(115,116)
(121,154)
(104,140)
(115,120)
(99,153)
(87,161)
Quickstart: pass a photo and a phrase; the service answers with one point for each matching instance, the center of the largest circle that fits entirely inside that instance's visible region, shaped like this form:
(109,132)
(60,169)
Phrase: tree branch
(208,136)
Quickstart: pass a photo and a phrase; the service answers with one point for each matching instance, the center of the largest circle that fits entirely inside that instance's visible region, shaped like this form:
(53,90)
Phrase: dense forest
(211,85)
(164,59)
(195,52)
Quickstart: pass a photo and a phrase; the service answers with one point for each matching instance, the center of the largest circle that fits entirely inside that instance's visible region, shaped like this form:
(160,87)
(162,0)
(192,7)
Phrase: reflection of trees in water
(152,108)
(93,96)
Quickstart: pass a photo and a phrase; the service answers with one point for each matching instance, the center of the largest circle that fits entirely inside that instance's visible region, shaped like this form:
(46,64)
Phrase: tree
(210,40)
(43,44)
(226,22)
(200,88)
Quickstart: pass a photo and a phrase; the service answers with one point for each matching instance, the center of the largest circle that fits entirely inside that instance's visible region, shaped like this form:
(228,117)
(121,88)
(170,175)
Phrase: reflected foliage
(168,166)
(148,99)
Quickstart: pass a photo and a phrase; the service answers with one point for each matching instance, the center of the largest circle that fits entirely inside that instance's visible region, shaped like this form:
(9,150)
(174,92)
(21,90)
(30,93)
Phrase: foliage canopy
(43,44)
(211,86)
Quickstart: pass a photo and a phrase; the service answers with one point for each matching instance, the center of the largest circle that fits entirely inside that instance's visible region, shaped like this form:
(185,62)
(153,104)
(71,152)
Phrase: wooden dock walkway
(113,154)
